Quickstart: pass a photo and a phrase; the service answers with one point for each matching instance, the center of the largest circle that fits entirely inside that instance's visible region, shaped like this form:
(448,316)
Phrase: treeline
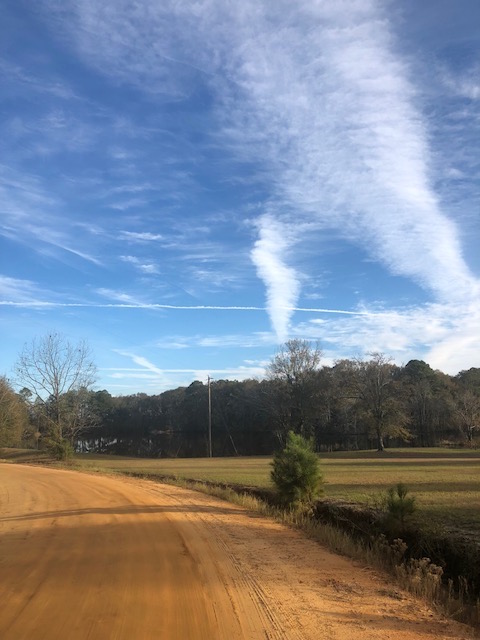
(355,404)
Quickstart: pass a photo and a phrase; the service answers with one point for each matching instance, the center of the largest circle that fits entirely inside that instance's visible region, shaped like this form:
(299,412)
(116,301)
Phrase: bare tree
(293,371)
(58,374)
(467,414)
(377,393)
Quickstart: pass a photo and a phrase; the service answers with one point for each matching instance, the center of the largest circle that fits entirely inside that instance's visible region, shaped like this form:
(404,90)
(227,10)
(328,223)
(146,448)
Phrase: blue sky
(187,185)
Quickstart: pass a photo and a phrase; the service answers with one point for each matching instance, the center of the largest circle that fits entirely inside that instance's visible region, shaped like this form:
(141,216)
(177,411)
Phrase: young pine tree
(296,472)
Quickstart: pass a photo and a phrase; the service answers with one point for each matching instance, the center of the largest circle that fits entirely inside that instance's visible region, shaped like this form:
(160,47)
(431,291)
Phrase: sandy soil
(92,557)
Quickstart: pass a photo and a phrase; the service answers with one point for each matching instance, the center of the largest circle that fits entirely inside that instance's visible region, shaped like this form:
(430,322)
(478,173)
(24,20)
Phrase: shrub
(61,449)
(296,472)
(399,506)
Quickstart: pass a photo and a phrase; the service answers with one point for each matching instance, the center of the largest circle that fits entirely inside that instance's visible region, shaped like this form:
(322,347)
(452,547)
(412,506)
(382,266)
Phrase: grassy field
(446,483)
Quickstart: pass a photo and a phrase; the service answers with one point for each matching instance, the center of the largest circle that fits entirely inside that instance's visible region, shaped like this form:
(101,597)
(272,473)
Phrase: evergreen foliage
(399,506)
(13,415)
(354,404)
(61,449)
(296,472)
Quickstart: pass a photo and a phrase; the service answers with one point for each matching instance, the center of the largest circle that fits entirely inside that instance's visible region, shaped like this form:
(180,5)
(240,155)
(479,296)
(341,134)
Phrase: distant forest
(355,404)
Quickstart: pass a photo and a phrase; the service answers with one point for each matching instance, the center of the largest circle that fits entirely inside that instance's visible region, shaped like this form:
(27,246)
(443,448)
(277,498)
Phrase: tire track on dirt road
(90,557)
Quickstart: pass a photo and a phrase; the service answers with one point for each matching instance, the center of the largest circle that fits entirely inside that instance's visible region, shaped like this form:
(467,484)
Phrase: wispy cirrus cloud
(30,215)
(57,131)
(244,340)
(306,118)
(18,289)
(19,76)
(22,194)
(336,114)
(140,236)
(162,379)
(53,239)
(147,371)
(213,278)
(256,339)
(444,335)
(323,97)
(148,268)
(122,300)
(116,39)
(131,203)
(466,84)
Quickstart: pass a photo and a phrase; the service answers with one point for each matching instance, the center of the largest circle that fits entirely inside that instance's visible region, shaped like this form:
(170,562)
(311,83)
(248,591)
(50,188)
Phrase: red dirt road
(93,557)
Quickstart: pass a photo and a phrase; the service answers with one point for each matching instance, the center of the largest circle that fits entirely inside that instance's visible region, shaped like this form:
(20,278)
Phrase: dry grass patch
(446,483)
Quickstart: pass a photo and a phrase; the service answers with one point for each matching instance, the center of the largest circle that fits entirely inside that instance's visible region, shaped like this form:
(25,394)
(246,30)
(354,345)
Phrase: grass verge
(419,576)
(443,484)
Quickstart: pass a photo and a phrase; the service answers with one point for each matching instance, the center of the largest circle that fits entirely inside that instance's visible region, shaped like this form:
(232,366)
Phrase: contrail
(41,304)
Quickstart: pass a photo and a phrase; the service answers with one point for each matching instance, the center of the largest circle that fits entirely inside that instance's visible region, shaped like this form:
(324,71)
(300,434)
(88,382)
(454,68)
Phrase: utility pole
(210,454)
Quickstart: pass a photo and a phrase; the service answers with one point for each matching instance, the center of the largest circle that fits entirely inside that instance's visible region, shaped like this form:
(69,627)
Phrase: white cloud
(31,217)
(315,95)
(213,278)
(141,361)
(140,236)
(132,203)
(162,379)
(465,84)
(323,98)
(131,188)
(242,340)
(58,243)
(125,299)
(173,342)
(149,268)
(335,113)
(256,339)
(148,371)
(46,84)
(444,335)
(281,281)
(18,289)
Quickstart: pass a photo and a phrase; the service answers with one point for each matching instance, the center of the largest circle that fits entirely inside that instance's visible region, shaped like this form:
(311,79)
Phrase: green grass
(447,489)
(254,471)
(24,456)
(446,483)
